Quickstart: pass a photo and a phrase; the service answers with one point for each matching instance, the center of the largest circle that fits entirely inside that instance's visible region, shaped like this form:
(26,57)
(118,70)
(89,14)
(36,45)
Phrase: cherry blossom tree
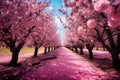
(52,40)
(101,21)
(45,34)
(68,42)
(45,27)
(17,20)
(111,9)
(52,43)
(112,12)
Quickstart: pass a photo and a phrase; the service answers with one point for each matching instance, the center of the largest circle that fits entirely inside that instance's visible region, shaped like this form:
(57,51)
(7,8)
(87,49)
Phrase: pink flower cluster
(81,30)
(91,23)
(111,9)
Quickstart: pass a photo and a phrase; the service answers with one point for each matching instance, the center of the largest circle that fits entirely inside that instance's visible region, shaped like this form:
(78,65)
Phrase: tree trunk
(14,59)
(76,50)
(103,48)
(113,49)
(45,50)
(36,51)
(72,49)
(90,53)
(115,61)
(96,48)
(90,48)
(48,49)
(81,50)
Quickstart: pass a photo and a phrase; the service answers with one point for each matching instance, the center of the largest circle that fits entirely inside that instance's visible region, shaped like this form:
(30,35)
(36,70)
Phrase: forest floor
(62,64)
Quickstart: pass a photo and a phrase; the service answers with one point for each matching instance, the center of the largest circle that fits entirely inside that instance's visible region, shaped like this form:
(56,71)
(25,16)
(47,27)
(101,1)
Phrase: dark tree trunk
(81,50)
(36,52)
(15,53)
(90,48)
(96,48)
(14,59)
(72,49)
(103,48)
(48,49)
(45,50)
(115,61)
(90,53)
(113,49)
(76,49)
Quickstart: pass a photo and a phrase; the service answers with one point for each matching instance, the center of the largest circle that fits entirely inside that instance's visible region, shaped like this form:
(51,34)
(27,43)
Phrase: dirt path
(67,66)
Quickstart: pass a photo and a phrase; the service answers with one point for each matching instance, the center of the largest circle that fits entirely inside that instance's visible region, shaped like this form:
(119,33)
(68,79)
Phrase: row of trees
(26,20)
(96,21)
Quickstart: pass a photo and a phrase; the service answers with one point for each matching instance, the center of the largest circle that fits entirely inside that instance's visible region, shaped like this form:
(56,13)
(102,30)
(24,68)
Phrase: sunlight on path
(67,66)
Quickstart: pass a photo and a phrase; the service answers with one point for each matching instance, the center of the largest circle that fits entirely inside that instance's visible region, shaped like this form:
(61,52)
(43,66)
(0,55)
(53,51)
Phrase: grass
(24,50)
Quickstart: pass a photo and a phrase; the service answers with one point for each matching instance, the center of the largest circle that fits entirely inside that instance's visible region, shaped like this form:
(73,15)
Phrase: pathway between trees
(67,66)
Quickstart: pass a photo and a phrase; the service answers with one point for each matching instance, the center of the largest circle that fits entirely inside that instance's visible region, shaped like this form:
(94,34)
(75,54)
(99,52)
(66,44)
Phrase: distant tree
(52,39)
(45,26)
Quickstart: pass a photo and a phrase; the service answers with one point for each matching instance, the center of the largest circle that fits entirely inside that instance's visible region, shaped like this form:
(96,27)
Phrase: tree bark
(90,48)
(36,52)
(14,59)
(81,50)
(76,50)
(15,53)
(45,50)
(90,53)
(72,49)
(115,61)
(96,48)
(103,48)
(113,49)
(48,49)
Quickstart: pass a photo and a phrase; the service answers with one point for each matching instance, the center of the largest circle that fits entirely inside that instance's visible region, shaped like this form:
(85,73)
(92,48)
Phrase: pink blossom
(116,2)
(109,11)
(101,5)
(91,23)
(113,23)
(81,31)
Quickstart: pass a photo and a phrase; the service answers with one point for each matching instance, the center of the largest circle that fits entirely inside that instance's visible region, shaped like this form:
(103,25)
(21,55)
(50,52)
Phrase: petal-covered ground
(69,66)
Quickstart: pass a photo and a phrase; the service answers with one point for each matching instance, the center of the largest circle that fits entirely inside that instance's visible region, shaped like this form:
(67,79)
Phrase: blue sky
(54,6)
(57,4)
